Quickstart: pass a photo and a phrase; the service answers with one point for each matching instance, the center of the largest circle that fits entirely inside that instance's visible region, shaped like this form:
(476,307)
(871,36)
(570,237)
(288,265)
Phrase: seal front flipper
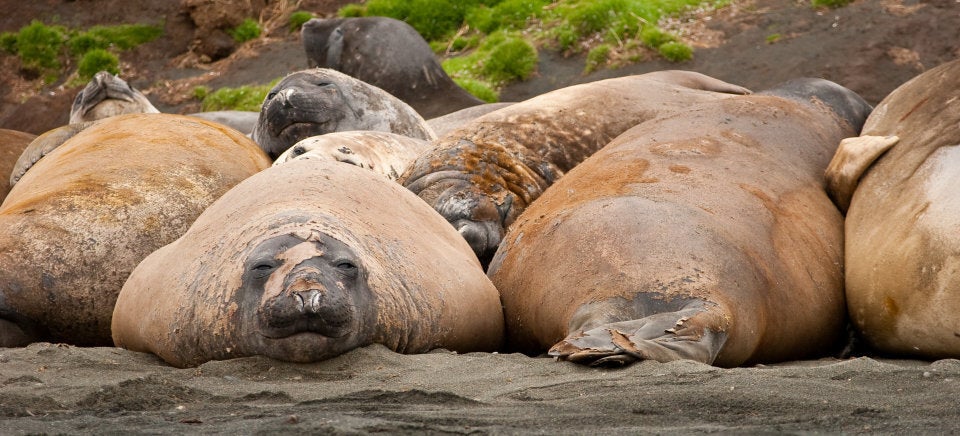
(690,333)
(852,159)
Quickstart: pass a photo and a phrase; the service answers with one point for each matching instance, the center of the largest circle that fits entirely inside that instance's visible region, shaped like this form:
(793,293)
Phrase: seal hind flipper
(853,157)
(691,333)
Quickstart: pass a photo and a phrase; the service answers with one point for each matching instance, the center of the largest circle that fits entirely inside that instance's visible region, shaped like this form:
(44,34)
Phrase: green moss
(507,15)
(38,46)
(352,10)
(8,42)
(676,51)
(479,89)
(512,59)
(830,3)
(97,60)
(243,98)
(123,37)
(200,92)
(772,38)
(247,30)
(597,57)
(653,37)
(298,18)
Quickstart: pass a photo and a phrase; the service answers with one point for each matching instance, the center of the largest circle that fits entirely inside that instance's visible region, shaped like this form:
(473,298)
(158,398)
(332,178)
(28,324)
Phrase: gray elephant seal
(481,176)
(900,179)
(244,121)
(82,218)
(704,234)
(305,261)
(107,95)
(318,101)
(386,153)
(388,54)
(447,123)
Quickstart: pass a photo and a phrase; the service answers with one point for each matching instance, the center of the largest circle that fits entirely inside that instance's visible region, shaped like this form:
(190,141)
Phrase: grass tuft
(243,98)
(247,30)
(97,60)
(298,18)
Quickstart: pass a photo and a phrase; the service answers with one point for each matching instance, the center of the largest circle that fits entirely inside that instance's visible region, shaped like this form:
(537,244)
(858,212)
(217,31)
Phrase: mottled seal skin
(305,261)
(900,179)
(244,121)
(482,175)
(446,123)
(705,235)
(318,101)
(12,144)
(388,54)
(43,145)
(386,153)
(107,95)
(81,219)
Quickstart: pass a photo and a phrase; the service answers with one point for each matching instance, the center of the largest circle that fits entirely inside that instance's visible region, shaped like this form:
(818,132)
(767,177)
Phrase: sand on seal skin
(50,388)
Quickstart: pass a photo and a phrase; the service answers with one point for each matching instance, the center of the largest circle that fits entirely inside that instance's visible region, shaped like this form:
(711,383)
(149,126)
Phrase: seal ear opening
(852,159)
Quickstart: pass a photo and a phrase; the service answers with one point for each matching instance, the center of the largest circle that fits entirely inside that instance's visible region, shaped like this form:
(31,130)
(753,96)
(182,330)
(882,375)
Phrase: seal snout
(308,303)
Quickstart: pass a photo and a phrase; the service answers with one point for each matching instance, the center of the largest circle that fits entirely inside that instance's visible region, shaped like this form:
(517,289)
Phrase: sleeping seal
(302,262)
(901,181)
(318,101)
(704,234)
(82,218)
(383,152)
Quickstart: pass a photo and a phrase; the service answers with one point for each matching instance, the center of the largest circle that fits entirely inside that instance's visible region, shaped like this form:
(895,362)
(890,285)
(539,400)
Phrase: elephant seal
(383,152)
(388,54)
(240,120)
(305,261)
(704,234)
(482,175)
(318,101)
(900,179)
(12,144)
(446,123)
(107,95)
(80,220)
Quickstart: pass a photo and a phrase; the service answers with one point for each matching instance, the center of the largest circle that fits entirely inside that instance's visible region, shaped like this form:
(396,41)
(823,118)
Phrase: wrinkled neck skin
(480,191)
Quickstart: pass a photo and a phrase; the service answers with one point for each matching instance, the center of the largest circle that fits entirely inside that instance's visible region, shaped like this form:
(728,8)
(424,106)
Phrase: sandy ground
(53,389)
(871,46)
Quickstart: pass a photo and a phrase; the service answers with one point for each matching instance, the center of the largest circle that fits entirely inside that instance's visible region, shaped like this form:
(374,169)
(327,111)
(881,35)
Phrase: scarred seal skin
(386,153)
(703,235)
(482,175)
(901,180)
(80,220)
(305,261)
(389,54)
(319,101)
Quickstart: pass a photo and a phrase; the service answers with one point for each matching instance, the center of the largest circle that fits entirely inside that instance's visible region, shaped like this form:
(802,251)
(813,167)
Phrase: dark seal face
(306,285)
(300,106)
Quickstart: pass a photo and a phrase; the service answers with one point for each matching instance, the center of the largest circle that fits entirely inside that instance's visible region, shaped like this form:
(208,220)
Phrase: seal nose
(310,300)
(284,97)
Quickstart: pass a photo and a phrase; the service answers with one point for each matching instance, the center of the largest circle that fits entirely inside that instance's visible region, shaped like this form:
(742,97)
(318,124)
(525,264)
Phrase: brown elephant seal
(12,144)
(107,95)
(386,153)
(318,101)
(705,235)
(80,220)
(482,175)
(43,145)
(305,261)
(901,180)
(388,54)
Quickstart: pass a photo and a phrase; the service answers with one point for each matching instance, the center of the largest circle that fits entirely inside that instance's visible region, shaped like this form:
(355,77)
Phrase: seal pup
(305,261)
(900,180)
(82,218)
(318,101)
(389,54)
(704,234)
(482,175)
(386,153)
(107,95)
